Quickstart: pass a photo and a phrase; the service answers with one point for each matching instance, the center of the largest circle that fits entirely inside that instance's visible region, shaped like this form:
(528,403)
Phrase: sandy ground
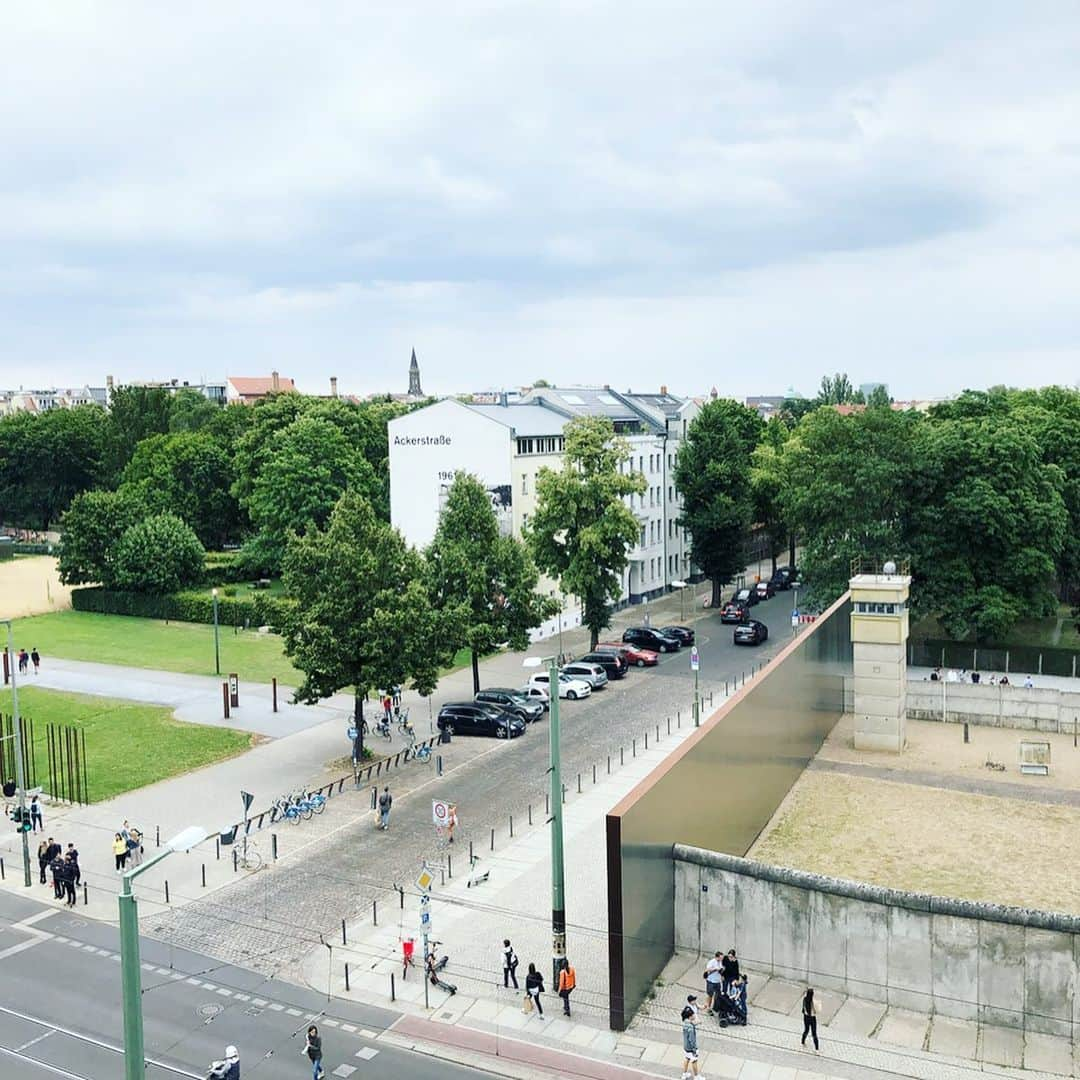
(981,847)
(30,585)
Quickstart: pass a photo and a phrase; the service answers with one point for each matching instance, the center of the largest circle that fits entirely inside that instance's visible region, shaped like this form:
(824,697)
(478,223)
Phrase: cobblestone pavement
(271,919)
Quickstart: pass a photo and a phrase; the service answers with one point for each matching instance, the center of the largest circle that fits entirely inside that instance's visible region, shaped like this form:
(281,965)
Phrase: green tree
(766,482)
(838,391)
(305,469)
(986,522)
(134,413)
(93,524)
(191,411)
(188,474)
(583,527)
(491,578)
(879,398)
(712,473)
(845,488)
(159,554)
(363,617)
(46,459)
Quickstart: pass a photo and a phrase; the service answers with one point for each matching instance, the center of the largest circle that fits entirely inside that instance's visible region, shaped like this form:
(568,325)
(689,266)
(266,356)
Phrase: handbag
(527,1004)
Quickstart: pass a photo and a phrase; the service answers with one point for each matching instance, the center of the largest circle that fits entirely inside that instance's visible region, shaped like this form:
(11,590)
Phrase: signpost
(440,813)
(695,665)
(424,882)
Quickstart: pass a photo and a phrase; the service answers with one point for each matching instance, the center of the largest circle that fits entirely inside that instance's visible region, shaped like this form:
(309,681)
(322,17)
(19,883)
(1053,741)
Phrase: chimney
(275,381)
(663,389)
(333,386)
(109,384)
(503,399)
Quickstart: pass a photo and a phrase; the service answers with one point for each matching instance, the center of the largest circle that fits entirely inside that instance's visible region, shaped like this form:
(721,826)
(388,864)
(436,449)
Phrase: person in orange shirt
(567,982)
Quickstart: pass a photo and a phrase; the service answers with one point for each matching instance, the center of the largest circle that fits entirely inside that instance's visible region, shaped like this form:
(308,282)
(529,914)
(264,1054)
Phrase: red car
(632,654)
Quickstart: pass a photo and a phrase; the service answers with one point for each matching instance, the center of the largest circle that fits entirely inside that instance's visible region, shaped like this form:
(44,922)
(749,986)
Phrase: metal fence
(1017,659)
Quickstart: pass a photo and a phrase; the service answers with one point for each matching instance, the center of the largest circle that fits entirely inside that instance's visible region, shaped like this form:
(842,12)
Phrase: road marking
(194,982)
(366,1053)
(348,1027)
(209,986)
(224,992)
(243,997)
(344,1070)
(329,1022)
(367,1034)
(278,1008)
(30,920)
(25,1045)
(163,971)
(294,1012)
(21,947)
(259,1001)
(63,940)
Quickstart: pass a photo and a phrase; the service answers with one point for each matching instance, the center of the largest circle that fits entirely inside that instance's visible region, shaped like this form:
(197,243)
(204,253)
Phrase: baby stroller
(729,1008)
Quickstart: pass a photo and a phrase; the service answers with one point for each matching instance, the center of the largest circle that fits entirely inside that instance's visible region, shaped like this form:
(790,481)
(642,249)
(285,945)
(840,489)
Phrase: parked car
(470,718)
(782,579)
(593,674)
(512,701)
(613,663)
(765,590)
(734,613)
(632,654)
(751,632)
(536,693)
(649,638)
(569,688)
(746,597)
(683,634)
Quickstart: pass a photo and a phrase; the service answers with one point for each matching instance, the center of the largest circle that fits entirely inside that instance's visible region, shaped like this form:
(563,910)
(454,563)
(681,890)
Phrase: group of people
(228,1068)
(25,659)
(534,981)
(962,675)
(63,866)
(127,847)
(725,987)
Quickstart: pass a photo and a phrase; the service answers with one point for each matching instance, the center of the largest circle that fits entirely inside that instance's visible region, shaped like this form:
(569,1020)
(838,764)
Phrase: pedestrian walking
(120,851)
(36,818)
(809,1018)
(72,853)
(689,1044)
(1029,683)
(714,974)
(229,1069)
(43,858)
(35,656)
(534,987)
(730,969)
(386,800)
(510,963)
(23,661)
(691,1004)
(451,822)
(313,1049)
(567,982)
(388,707)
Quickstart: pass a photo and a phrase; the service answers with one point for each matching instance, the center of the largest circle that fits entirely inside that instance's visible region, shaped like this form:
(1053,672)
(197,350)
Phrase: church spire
(414,378)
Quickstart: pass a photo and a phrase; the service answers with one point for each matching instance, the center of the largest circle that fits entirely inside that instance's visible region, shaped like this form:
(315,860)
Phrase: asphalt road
(271,920)
(60,1011)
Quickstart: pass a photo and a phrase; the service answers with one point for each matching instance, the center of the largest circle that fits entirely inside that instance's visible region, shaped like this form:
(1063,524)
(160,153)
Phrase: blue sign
(353,732)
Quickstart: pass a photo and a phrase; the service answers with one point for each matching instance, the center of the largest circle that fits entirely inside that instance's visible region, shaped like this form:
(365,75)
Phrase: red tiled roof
(259,387)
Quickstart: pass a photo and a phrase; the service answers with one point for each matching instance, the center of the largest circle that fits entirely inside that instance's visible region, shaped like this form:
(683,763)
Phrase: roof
(524,419)
(258,387)
(600,401)
(666,403)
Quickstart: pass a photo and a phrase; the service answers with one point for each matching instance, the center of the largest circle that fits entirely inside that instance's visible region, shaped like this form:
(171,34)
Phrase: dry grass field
(30,585)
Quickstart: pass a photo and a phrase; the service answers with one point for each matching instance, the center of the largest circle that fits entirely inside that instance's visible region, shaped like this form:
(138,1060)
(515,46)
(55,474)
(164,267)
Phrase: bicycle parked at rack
(297,805)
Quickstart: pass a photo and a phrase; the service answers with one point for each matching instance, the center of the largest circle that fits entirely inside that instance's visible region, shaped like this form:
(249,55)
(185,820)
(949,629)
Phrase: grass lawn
(1058,631)
(244,591)
(128,744)
(150,643)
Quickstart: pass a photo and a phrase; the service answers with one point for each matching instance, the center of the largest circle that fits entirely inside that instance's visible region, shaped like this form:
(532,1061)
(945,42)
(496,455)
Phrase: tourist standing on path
(713,978)
(68,880)
(809,1018)
(43,858)
(120,850)
(730,969)
(510,963)
(36,818)
(36,657)
(689,1044)
(534,987)
(386,800)
(57,868)
(567,982)
(134,845)
(72,853)
(313,1049)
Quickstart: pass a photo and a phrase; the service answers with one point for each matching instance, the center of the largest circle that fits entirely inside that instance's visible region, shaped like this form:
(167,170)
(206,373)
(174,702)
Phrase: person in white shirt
(510,963)
(714,977)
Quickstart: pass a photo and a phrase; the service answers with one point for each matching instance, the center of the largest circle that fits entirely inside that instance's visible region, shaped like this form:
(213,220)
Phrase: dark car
(512,701)
(648,638)
(471,718)
(785,577)
(751,632)
(765,590)
(683,634)
(611,662)
(734,613)
(746,597)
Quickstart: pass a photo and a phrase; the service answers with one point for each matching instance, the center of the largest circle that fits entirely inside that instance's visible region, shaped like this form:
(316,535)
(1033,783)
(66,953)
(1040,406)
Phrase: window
(670,493)
(642,544)
(524,483)
(640,464)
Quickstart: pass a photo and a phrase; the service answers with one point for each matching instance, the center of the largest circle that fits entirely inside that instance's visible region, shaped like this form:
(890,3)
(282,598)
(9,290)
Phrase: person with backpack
(37,821)
(534,987)
(567,982)
(510,963)
(229,1069)
(809,1018)
(35,657)
(43,858)
(386,800)
(313,1050)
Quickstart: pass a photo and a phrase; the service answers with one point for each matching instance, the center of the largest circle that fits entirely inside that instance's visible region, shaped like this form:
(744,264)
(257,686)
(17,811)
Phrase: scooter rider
(229,1069)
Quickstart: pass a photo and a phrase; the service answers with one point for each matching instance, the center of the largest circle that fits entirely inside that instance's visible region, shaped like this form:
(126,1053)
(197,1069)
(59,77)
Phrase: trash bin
(228,834)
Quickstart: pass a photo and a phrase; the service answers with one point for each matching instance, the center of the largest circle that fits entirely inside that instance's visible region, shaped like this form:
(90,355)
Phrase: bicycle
(250,858)
(401,718)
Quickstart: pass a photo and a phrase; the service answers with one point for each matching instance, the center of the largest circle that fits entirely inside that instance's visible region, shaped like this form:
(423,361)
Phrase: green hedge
(225,568)
(22,548)
(189,606)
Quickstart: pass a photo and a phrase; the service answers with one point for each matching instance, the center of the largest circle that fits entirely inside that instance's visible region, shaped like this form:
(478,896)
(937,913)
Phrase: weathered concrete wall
(1007,966)
(1038,709)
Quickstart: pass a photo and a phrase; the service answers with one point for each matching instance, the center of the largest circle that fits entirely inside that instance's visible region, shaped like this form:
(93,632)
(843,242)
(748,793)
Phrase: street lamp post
(217,651)
(558,887)
(20,775)
(681,586)
(130,977)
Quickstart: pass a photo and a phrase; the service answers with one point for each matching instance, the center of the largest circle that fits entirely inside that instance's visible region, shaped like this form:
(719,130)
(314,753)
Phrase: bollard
(273,685)
(401,893)
(725,687)
(579,783)
(594,773)
(564,793)
(622,755)
(374,912)
(609,764)
(273,846)
(217,847)
(678,716)
(343,941)
(449,865)
(657,732)
(634,746)
(347,977)
(966,738)
(85,895)
(3,876)
(547,805)
(225,698)
(669,725)
(492,839)
(374,797)
(204,875)
(438,765)
(442,873)
(157,836)
(166,890)
(235,860)
(530,806)
(646,740)
(470,852)
(392,997)
(511,826)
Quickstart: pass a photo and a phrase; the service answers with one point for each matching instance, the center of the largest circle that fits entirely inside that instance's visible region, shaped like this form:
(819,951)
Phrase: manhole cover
(208,1012)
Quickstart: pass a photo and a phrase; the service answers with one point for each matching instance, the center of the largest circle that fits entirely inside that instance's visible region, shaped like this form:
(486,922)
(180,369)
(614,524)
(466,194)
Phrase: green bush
(158,555)
(21,548)
(229,590)
(225,568)
(189,606)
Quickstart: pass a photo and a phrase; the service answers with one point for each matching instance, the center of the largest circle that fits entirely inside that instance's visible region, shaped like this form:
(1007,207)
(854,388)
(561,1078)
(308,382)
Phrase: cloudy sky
(690,193)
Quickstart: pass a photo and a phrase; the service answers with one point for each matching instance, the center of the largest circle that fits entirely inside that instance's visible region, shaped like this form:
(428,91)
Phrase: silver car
(593,674)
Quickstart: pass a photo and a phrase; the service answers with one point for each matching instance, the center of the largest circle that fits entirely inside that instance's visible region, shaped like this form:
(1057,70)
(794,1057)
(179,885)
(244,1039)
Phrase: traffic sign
(695,660)
(425,881)
(794,616)
(440,811)
(353,732)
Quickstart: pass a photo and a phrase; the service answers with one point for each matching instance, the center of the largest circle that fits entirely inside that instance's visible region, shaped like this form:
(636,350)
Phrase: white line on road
(27,1045)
